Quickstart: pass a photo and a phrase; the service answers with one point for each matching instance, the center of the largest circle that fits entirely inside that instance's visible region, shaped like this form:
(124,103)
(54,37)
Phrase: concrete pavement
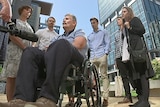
(154,101)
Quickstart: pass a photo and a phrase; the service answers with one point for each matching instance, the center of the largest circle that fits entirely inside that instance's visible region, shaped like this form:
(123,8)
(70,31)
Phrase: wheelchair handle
(20,33)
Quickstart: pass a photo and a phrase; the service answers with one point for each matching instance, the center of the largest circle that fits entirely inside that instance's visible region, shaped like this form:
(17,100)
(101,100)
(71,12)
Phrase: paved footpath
(154,101)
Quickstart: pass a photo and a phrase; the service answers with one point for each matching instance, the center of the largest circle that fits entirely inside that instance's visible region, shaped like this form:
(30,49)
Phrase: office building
(149,13)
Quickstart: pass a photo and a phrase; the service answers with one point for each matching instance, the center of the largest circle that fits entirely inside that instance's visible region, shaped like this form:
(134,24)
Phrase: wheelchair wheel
(92,86)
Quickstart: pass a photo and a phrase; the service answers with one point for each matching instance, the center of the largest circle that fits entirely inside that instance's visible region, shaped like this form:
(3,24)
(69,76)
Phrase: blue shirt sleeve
(107,41)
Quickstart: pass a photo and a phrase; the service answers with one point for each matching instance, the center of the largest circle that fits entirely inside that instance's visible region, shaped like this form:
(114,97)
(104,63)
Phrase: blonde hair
(130,14)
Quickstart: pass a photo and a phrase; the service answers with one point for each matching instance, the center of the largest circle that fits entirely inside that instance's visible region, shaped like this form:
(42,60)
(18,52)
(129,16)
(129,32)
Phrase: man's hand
(6,11)
(79,42)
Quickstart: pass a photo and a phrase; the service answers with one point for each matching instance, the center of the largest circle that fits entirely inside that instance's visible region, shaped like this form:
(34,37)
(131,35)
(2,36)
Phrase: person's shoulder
(41,30)
(79,30)
(104,31)
(101,30)
(135,19)
(55,33)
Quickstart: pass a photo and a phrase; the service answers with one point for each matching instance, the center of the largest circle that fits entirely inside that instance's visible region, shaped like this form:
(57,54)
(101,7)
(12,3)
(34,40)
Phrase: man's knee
(60,44)
(28,52)
(27,49)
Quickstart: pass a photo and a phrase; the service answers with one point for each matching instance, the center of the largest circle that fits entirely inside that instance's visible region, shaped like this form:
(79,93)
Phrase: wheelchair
(86,78)
(86,75)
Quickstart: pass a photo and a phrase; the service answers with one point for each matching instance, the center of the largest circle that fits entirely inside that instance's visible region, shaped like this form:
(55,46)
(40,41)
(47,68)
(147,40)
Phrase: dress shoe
(41,102)
(134,105)
(140,104)
(125,100)
(105,103)
(13,103)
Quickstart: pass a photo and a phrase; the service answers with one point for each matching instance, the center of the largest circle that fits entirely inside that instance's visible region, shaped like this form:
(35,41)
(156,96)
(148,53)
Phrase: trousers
(125,70)
(102,65)
(142,84)
(59,54)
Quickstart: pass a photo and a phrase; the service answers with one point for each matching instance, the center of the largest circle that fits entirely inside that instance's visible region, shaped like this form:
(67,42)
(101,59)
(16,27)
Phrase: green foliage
(156,67)
(0,68)
(133,93)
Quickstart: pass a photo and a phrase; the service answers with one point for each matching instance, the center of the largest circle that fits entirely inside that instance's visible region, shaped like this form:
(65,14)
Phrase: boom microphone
(26,35)
(20,33)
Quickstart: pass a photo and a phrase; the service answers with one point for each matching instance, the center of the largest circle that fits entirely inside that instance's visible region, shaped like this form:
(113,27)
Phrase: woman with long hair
(124,67)
(142,71)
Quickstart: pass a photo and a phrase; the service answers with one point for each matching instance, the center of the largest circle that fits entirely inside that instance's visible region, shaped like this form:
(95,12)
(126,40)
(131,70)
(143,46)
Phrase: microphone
(20,33)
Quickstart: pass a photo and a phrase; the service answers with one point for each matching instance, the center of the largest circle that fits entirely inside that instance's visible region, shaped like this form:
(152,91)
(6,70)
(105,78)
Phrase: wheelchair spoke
(92,87)
(97,86)
(88,82)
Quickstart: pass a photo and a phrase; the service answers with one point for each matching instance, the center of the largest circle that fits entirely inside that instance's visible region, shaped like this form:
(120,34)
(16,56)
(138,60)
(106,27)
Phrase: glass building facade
(149,13)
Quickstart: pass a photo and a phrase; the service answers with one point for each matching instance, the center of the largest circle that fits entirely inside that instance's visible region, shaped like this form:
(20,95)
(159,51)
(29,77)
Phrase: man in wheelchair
(64,49)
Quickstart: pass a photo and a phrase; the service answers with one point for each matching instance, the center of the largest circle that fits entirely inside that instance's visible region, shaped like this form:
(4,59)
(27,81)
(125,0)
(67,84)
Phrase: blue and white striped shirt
(118,44)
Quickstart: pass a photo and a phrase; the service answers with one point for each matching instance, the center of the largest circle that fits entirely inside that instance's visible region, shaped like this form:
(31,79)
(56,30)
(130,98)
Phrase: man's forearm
(4,2)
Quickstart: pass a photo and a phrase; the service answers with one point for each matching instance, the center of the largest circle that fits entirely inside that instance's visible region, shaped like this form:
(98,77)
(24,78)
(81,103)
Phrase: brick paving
(154,101)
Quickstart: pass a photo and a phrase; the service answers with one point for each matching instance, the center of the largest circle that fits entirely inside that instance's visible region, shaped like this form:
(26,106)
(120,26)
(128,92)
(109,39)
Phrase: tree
(156,67)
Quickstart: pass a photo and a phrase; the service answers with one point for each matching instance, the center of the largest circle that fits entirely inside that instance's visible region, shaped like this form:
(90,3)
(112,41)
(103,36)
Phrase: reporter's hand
(127,25)
(6,11)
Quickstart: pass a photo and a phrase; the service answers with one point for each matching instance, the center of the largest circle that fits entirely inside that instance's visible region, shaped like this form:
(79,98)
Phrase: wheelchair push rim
(92,86)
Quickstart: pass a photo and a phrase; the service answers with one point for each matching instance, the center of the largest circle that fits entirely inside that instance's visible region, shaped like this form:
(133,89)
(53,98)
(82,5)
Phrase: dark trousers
(125,70)
(55,59)
(4,37)
(142,84)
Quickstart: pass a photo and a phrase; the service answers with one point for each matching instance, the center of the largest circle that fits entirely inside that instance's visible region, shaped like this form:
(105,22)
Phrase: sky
(82,9)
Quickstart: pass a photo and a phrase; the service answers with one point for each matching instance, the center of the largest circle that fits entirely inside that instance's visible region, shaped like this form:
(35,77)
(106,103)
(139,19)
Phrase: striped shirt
(118,44)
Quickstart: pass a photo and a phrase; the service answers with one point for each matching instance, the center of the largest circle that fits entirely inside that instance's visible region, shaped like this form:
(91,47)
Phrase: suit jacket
(135,34)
